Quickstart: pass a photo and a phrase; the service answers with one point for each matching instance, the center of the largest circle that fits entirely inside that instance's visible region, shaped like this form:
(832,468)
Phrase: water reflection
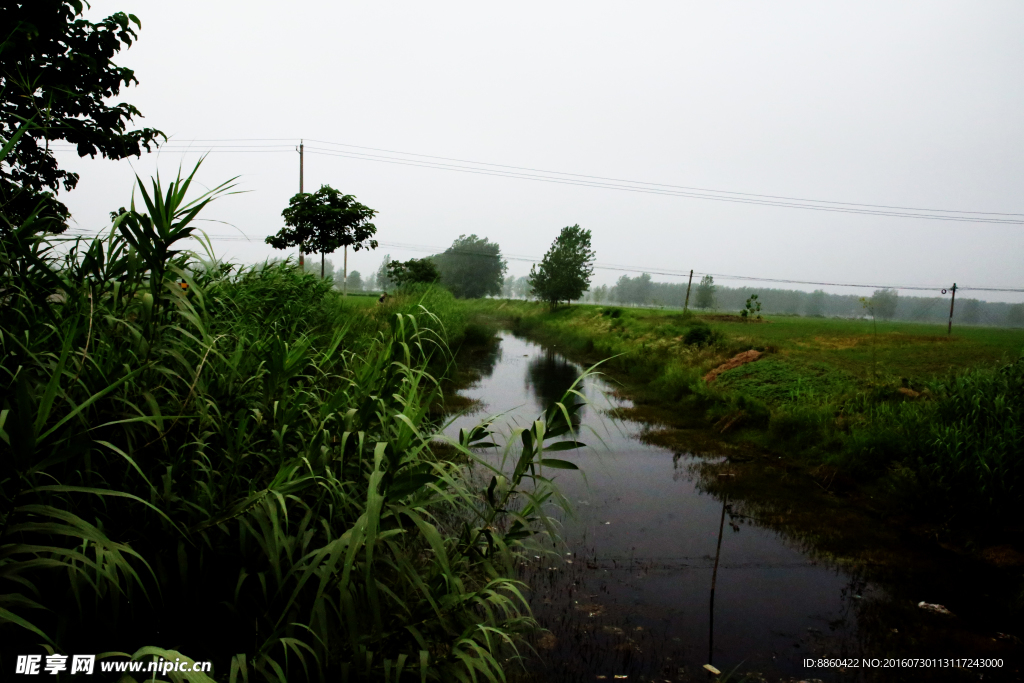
(647,546)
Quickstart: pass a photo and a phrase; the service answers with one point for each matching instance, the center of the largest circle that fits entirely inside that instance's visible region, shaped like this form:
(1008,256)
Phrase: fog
(912,104)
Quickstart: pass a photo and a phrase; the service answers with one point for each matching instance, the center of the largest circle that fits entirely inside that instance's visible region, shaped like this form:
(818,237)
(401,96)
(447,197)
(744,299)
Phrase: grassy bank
(934,420)
(239,464)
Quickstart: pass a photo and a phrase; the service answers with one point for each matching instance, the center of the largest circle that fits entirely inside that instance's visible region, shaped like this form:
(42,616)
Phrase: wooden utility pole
(689,284)
(952,301)
(302,258)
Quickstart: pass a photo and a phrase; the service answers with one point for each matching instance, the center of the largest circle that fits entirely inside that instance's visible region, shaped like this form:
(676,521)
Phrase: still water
(631,593)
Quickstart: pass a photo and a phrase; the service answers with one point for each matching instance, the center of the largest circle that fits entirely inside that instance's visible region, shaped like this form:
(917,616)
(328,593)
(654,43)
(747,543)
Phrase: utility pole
(688,285)
(344,284)
(302,258)
(952,301)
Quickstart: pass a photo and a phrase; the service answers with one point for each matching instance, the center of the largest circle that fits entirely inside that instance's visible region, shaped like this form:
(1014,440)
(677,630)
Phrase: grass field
(937,419)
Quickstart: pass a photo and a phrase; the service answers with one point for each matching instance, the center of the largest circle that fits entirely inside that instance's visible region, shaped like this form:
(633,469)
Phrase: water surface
(631,593)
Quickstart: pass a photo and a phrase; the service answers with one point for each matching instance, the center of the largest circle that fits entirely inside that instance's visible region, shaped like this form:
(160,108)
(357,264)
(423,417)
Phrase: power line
(600,182)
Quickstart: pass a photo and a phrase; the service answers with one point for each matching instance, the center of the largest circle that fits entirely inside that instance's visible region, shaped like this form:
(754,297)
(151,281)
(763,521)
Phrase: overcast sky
(905,104)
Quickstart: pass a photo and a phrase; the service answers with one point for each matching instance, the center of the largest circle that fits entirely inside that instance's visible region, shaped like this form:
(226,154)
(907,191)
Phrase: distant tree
(413,271)
(327,268)
(508,286)
(883,303)
(565,272)
(522,288)
(706,293)
(600,293)
(1015,316)
(472,267)
(815,304)
(324,221)
(971,311)
(355,281)
(56,71)
(381,279)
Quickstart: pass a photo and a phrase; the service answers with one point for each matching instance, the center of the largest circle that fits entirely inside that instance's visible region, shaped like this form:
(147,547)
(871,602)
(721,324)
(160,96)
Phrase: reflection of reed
(714,579)
(549,376)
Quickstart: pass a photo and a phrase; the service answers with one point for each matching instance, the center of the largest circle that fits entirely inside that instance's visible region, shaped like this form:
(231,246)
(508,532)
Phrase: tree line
(887,304)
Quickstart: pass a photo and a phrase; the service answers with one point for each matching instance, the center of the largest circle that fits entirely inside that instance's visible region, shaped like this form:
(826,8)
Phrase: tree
(413,271)
(706,293)
(521,289)
(56,72)
(381,279)
(355,281)
(472,267)
(324,221)
(565,272)
(815,304)
(1015,315)
(326,269)
(883,303)
(751,307)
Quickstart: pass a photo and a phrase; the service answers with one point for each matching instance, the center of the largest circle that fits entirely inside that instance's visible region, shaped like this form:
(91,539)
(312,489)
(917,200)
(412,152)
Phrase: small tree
(565,272)
(706,293)
(324,221)
(750,308)
(412,271)
(355,281)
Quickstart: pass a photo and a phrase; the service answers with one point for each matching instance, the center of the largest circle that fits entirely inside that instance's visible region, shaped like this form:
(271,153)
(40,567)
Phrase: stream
(630,597)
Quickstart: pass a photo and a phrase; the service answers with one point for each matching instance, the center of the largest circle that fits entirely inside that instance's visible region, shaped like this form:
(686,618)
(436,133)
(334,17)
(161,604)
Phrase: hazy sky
(907,104)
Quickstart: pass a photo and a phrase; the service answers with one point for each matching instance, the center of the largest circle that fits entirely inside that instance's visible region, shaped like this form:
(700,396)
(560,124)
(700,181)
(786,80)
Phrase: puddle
(630,595)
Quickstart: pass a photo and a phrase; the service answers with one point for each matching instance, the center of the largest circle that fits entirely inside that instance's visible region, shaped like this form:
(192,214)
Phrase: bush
(698,334)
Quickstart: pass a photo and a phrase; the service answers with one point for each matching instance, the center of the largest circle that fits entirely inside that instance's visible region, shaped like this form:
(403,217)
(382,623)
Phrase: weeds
(244,465)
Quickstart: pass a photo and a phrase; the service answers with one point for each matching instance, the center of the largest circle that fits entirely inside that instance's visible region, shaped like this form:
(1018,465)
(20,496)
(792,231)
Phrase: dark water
(633,595)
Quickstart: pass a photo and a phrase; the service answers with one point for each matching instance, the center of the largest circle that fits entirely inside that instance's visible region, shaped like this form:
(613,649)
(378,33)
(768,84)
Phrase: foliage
(698,334)
(751,307)
(413,271)
(56,71)
(249,445)
(634,290)
(472,267)
(883,303)
(355,281)
(381,279)
(705,293)
(564,273)
(962,452)
(815,304)
(325,221)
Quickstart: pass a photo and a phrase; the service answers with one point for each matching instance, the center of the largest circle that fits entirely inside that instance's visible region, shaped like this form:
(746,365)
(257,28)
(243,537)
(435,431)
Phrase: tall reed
(229,463)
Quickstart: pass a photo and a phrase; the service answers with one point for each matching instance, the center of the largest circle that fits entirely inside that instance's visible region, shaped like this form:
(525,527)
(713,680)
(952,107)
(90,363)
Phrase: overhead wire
(584,180)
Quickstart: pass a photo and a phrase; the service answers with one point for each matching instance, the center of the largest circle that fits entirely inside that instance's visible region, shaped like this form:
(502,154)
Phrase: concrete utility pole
(952,301)
(688,285)
(302,258)
(344,283)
